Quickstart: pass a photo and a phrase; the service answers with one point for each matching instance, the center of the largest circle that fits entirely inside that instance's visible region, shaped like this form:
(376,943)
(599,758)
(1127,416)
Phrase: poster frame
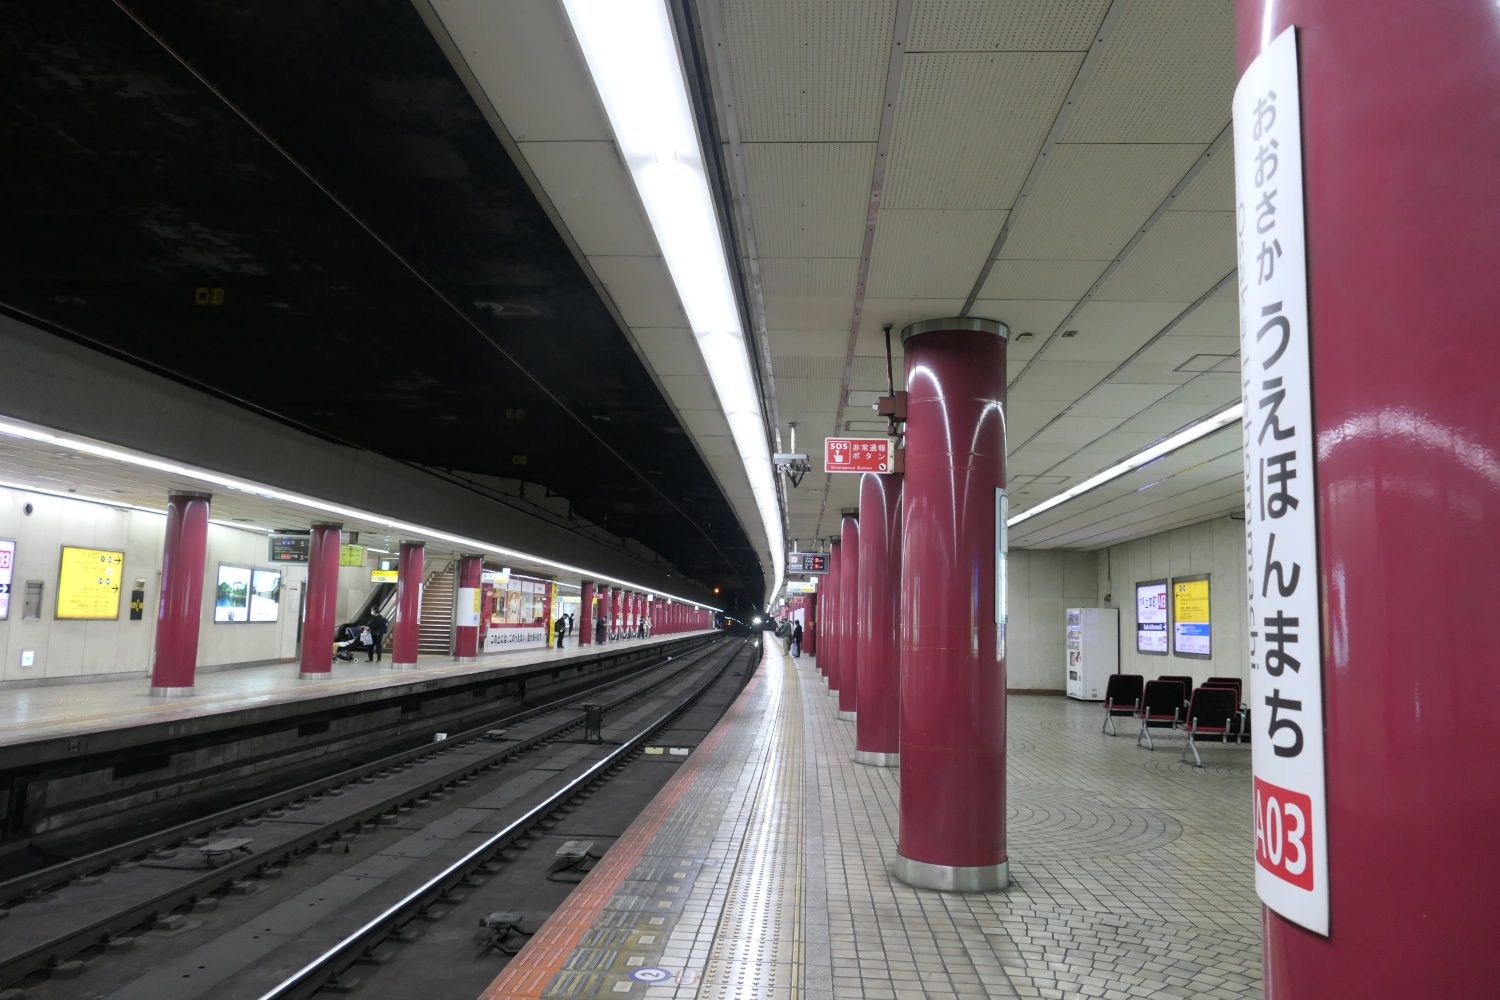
(1172,614)
(213,607)
(280,588)
(10,579)
(1166,585)
(57,614)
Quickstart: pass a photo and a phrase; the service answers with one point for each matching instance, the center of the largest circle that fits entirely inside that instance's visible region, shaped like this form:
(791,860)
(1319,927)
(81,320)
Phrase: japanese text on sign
(857,454)
(7,571)
(1286,689)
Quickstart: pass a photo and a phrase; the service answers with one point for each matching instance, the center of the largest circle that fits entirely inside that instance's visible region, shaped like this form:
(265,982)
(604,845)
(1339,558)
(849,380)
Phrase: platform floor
(30,714)
(761,871)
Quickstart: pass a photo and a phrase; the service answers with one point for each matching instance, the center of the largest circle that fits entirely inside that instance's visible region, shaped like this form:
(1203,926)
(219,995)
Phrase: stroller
(348,638)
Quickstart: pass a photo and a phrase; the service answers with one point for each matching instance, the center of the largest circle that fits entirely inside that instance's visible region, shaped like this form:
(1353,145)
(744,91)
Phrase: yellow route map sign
(88,583)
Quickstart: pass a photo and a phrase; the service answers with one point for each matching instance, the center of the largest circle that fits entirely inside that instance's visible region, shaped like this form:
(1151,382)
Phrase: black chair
(1187,686)
(1212,713)
(1161,707)
(1233,682)
(1122,696)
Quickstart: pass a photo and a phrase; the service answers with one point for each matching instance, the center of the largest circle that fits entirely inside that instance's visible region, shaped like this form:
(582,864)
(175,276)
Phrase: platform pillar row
(322,597)
(466,604)
(829,658)
(174,669)
(850,626)
(952,834)
(877,739)
(408,605)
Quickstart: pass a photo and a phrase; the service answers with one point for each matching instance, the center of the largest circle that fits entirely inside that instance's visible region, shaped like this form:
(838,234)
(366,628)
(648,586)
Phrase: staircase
(435,634)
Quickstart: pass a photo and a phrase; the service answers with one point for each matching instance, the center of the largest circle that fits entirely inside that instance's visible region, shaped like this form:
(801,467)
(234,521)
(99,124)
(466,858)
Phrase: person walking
(796,640)
(378,627)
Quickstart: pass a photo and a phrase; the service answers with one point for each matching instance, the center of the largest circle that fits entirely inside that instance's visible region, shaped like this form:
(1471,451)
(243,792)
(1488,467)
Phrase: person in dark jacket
(599,630)
(560,629)
(378,627)
(796,640)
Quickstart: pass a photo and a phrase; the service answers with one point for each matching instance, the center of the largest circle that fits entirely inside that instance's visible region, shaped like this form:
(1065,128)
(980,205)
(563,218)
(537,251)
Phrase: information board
(857,454)
(232,594)
(351,555)
(1281,531)
(807,562)
(88,583)
(265,595)
(1151,617)
(1192,628)
(289,548)
(383,575)
(7,572)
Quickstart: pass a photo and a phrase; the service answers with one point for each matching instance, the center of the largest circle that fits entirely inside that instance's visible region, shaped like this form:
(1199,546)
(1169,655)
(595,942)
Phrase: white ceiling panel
(808,70)
(1119,400)
(1037,317)
(1072,432)
(1024,418)
(641,289)
(810,366)
(671,351)
(1090,199)
(809,199)
(1166,74)
(815,343)
(1020,25)
(593,193)
(703,424)
(793,394)
(1160,361)
(690,392)
(1218,316)
(810,312)
(1218,388)
(1063,280)
(1051,379)
(1112,331)
(930,254)
(1183,256)
(1165,418)
(523,55)
(791,277)
(1213,189)
(969,124)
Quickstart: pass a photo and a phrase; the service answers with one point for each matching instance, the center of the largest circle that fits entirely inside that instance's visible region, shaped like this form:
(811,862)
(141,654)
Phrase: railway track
(76,915)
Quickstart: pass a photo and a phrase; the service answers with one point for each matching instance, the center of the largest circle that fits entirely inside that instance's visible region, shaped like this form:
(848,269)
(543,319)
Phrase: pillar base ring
(845,715)
(871,758)
(467,659)
(314,675)
(402,666)
(172,692)
(951,878)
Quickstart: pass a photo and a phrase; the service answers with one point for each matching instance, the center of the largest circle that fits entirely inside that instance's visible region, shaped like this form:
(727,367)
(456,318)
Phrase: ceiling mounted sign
(857,454)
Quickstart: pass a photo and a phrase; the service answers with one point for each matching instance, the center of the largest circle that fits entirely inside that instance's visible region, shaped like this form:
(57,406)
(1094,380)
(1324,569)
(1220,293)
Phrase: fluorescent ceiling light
(1164,447)
(30,432)
(632,55)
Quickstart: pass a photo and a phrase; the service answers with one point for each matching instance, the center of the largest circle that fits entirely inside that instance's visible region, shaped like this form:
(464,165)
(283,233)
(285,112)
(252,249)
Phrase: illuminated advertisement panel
(88,583)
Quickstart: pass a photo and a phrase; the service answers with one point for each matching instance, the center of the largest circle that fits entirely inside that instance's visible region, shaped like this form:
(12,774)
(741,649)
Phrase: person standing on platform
(796,639)
(559,628)
(378,627)
(599,630)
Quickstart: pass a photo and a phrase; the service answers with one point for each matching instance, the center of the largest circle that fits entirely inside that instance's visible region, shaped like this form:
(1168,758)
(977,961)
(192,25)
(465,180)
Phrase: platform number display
(1283,609)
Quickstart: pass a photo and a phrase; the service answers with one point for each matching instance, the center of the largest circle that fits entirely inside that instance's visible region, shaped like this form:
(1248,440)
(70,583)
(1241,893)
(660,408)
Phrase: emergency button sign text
(857,454)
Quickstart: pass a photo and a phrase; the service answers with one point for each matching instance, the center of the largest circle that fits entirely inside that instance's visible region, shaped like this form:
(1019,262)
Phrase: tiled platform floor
(35,713)
(760,871)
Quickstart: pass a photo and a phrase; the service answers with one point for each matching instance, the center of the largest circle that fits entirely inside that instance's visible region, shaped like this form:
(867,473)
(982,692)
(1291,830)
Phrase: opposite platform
(28,715)
(761,871)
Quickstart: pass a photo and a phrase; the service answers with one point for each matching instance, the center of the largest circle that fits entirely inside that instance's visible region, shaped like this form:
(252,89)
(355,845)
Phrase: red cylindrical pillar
(810,626)
(408,605)
(616,599)
(184,553)
(601,614)
(828,659)
(586,614)
(877,730)
(1402,222)
(849,616)
(952,668)
(466,608)
(322,596)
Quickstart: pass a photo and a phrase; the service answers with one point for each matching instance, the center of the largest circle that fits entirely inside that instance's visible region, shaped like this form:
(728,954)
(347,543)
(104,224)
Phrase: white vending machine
(1093,647)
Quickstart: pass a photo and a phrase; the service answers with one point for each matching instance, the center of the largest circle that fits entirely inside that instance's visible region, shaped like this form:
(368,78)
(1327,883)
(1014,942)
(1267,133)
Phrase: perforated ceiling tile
(1022,316)
(1090,199)
(1217,316)
(1183,256)
(810,312)
(929,254)
(822,344)
(1220,388)
(783,277)
(809,199)
(1062,280)
(808,69)
(1027,25)
(1119,400)
(794,394)
(1112,331)
(969,125)
(1165,74)
(1213,189)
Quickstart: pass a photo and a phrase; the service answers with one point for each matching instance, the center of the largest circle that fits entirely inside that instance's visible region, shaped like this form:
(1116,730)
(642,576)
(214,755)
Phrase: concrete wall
(66,649)
(1214,547)
(1042,584)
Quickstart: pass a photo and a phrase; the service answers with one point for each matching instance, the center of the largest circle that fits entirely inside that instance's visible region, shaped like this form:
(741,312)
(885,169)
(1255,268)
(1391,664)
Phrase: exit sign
(857,454)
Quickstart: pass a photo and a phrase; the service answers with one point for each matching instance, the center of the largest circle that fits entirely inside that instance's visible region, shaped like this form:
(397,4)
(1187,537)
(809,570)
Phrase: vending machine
(1093,651)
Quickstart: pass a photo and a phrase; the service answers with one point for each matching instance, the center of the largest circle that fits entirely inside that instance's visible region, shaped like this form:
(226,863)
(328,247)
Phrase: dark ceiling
(385,279)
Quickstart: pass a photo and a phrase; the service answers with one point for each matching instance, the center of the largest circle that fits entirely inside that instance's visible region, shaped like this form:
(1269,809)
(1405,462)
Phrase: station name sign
(857,454)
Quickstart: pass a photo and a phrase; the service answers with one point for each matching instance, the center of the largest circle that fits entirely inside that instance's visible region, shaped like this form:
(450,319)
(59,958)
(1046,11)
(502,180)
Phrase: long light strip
(631,53)
(1201,429)
(29,432)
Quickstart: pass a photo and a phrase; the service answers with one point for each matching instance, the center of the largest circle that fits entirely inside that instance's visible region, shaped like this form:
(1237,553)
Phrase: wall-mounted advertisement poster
(88,584)
(265,595)
(232,594)
(7,570)
(1192,630)
(1151,617)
